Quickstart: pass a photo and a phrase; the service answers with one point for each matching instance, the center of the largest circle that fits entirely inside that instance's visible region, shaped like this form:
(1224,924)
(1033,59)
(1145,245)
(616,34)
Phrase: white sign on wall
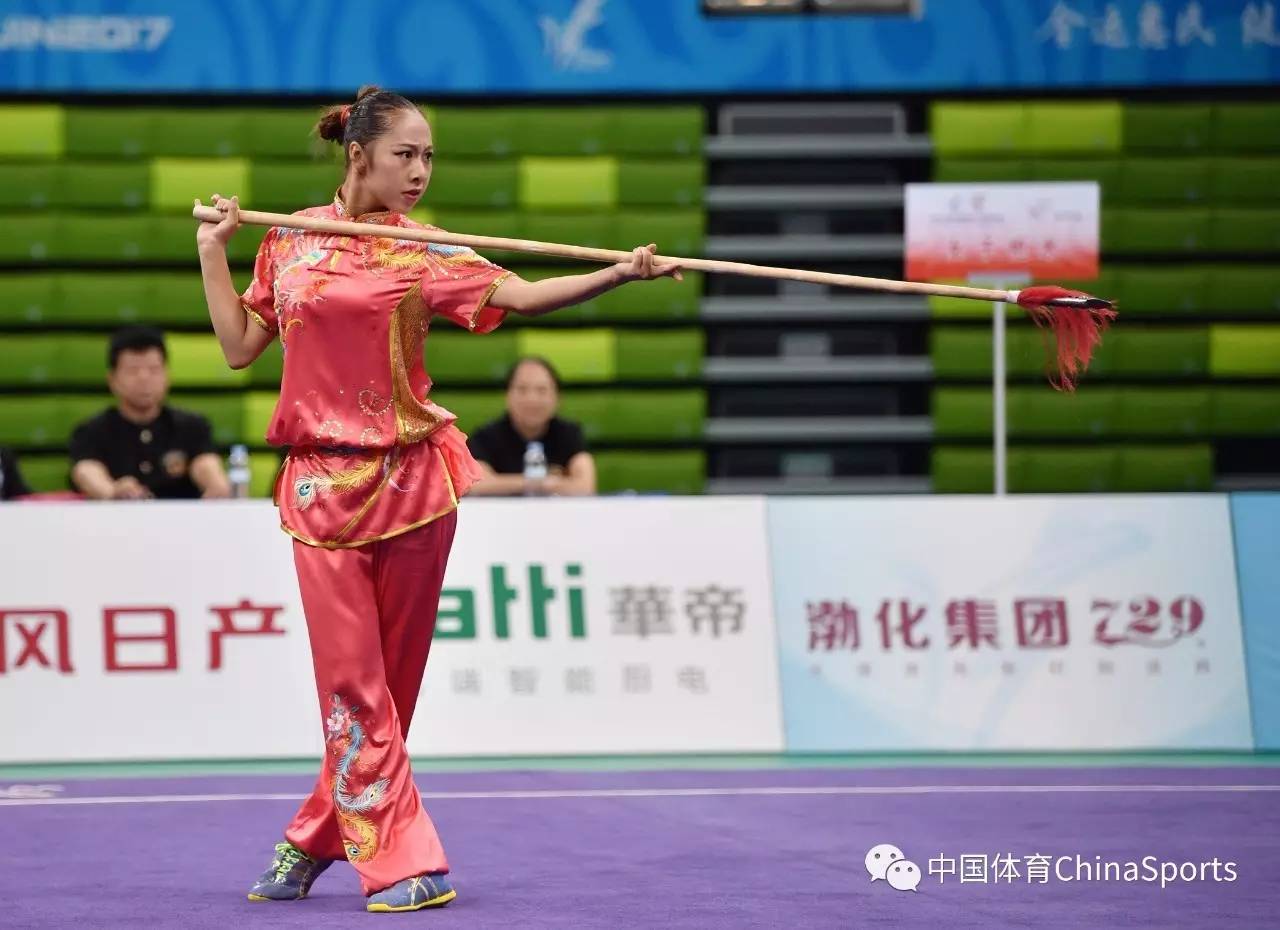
(174,630)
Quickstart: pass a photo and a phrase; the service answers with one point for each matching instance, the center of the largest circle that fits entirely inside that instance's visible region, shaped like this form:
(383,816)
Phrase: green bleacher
(1191,250)
(95,232)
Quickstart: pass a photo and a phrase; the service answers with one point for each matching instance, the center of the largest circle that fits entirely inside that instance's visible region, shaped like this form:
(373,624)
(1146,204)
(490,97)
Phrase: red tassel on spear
(1076,320)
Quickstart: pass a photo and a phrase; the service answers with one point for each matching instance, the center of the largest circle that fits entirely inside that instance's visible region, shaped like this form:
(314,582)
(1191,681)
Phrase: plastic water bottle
(238,471)
(535,467)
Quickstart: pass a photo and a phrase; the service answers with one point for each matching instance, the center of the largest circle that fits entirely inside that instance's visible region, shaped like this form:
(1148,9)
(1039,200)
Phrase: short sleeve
(259,300)
(88,441)
(480,445)
(572,440)
(198,437)
(459,285)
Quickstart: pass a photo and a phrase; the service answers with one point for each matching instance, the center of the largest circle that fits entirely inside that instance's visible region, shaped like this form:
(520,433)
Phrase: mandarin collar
(385,217)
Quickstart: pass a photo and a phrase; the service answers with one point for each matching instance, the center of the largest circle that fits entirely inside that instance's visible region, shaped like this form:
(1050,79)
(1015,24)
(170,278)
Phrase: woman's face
(397,165)
(532,397)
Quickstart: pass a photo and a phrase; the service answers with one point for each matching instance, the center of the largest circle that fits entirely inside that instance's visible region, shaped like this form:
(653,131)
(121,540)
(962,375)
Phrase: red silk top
(370,455)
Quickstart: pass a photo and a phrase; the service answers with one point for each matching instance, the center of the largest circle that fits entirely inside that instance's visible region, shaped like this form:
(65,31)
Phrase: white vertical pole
(999,414)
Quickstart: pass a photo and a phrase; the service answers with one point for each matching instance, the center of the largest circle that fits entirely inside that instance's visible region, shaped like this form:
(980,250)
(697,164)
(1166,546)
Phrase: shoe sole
(439,901)
(258,897)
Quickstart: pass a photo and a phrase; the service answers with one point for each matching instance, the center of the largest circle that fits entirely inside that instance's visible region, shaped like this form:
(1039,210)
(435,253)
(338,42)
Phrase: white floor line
(712,792)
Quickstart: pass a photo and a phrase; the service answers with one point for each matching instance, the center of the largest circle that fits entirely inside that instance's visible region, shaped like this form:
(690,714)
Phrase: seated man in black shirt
(11,483)
(533,391)
(143,448)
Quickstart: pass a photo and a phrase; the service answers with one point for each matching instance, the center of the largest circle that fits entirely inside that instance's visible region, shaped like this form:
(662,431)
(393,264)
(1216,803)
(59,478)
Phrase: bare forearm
(535,298)
(208,476)
(93,480)
(230,322)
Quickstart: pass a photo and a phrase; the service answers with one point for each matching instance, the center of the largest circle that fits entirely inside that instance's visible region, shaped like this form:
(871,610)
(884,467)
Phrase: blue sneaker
(289,876)
(413,894)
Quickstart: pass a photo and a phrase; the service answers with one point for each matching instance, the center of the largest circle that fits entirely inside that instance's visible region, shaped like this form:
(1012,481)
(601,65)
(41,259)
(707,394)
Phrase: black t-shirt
(499,446)
(158,454)
(11,483)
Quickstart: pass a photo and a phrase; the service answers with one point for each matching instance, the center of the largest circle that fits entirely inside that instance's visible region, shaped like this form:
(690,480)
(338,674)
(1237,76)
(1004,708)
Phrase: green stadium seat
(28,299)
(113,299)
(286,133)
(200,133)
(655,415)
(1163,412)
(46,473)
(27,421)
(176,298)
(583,355)
(669,182)
(472,408)
(224,411)
(960,308)
(1244,289)
(28,239)
(656,131)
(30,185)
(1108,172)
(1080,470)
(592,409)
(111,132)
(1164,468)
(285,187)
(1171,181)
(1078,127)
(1246,127)
(1244,181)
(961,470)
(454,357)
(961,413)
(32,130)
(965,351)
(590,229)
(965,170)
(196,360)
(28,360)
(179,237)
(124,238)
(562,130)
(263,469)
(660,299)
(568,183)
(268,369)
(1041,412)
(176,182)
(1167,127)
(682,472)
(1144,352)
(473,185)
(259,406)
(479,222)
(1151,231)
(486,131)
(55,361)
(659,355)
(677,232)
(1239,231)
(1244,351)
(978,128)
(1163,291)
(1244,411)
(105,186)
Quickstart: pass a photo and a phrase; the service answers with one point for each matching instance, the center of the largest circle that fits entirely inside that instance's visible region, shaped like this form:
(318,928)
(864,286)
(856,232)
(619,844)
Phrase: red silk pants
(371,612)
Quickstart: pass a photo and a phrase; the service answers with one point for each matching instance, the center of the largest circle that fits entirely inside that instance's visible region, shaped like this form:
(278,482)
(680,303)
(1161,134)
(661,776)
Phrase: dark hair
(533,360)
(363,121)
(135,339)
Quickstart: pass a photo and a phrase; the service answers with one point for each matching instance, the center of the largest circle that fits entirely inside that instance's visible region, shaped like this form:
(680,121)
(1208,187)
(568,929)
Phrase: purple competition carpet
(995,847)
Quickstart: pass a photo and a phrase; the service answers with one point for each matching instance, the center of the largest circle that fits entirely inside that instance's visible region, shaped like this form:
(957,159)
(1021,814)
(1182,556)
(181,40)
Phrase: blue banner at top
(551,47)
